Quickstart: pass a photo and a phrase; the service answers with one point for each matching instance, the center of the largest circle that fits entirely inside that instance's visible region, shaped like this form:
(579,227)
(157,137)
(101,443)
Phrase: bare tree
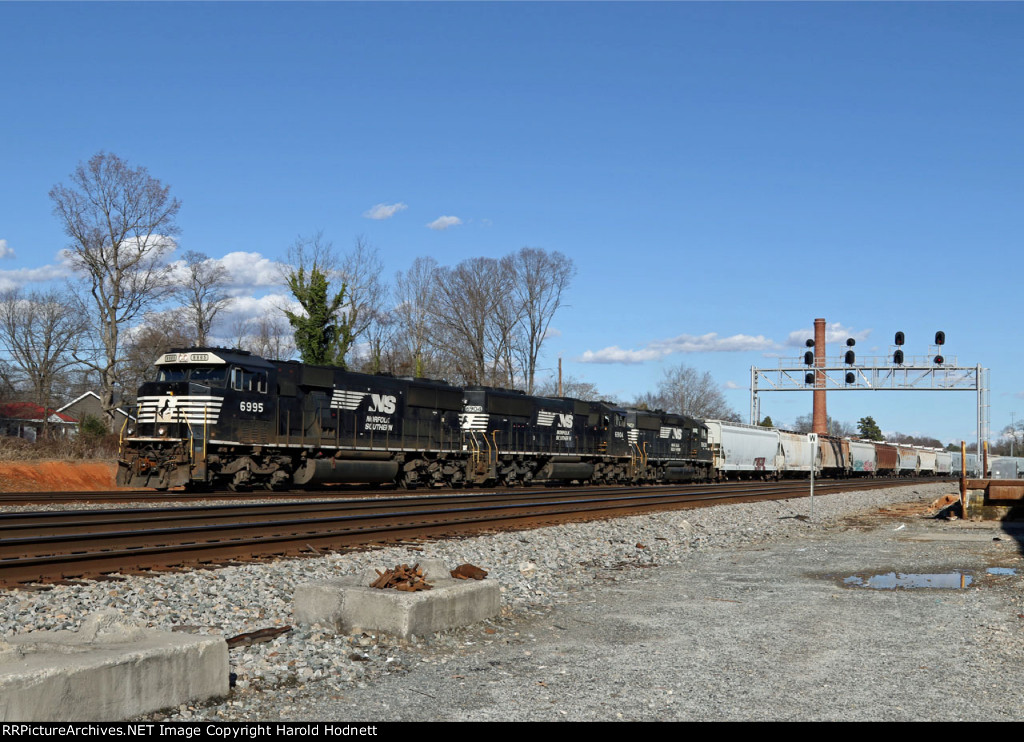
(571,387)
(146,342)
(687,391)
(41,332)
(365,294)
(541,278)
(121,222)
(503,333)
(465,301)
(805,424)
(378,352)
(267,336)
(414,292)
(202,292)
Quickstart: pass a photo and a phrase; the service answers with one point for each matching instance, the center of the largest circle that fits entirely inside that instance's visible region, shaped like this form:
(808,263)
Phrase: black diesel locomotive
(217,417)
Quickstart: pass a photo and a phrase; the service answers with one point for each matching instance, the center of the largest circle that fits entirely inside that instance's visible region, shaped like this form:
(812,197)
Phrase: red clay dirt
(57,476)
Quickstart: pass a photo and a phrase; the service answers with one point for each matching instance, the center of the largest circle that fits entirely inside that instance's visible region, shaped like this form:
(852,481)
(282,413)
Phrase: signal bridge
(894,372)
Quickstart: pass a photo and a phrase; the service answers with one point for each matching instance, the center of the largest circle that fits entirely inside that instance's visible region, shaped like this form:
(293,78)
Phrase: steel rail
(125,545)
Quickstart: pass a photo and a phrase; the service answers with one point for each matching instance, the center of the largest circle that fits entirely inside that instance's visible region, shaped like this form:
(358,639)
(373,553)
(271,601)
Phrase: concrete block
(349,605)
(109,670)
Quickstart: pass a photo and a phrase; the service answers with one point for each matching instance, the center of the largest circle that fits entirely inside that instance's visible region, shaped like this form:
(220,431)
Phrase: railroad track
(42,546)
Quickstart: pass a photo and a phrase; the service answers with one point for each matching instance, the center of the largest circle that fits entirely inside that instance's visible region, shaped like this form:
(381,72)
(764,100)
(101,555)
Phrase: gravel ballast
(736,612)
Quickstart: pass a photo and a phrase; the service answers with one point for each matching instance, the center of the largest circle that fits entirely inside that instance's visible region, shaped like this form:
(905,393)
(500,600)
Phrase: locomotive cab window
(248,381)
(208,375)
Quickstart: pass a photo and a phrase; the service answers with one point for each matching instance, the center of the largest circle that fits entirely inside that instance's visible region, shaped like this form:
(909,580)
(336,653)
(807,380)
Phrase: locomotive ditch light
(809,358)
(897,357)
(900,338)
(940,338)
(850,357)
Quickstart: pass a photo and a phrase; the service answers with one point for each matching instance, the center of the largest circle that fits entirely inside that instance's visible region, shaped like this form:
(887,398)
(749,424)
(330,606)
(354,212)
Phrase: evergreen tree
(767,422)
(869,429)
(323,333)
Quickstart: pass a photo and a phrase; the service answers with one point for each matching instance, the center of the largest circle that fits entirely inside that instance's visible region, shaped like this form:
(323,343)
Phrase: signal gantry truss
(916,373)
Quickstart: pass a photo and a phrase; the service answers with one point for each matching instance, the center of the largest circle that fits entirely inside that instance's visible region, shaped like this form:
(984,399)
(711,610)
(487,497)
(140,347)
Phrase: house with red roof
(25,420)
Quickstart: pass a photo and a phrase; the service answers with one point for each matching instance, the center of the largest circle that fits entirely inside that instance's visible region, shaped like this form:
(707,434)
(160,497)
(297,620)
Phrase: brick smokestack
(820,419)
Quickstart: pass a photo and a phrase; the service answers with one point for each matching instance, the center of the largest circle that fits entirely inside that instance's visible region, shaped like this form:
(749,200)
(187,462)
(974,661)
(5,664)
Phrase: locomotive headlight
(161,430)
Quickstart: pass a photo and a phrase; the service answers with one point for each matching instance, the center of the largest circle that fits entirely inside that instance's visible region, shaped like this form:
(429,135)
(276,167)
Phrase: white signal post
(813,438)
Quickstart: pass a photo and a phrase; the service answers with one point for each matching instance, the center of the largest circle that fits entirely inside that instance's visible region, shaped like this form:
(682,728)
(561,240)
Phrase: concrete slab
(349,605)
(109,670)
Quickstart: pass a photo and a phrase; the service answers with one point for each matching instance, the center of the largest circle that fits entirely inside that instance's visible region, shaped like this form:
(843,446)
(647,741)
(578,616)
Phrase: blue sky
(721,173)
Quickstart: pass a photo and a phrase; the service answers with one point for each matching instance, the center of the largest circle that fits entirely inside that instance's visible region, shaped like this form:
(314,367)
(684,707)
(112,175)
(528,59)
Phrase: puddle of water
(1001,570)
(898,580)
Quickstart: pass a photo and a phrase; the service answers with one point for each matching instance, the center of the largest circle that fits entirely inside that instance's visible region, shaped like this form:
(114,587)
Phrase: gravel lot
(742,612)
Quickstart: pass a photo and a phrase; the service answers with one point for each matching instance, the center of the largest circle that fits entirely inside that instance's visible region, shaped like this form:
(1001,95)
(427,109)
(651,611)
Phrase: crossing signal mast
(896,371)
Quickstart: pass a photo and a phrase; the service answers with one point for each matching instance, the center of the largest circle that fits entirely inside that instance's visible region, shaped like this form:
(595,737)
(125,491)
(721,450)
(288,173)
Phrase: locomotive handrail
(120,437)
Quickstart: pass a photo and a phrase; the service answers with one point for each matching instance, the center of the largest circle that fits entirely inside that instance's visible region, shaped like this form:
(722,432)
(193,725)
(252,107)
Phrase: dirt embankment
(56,476)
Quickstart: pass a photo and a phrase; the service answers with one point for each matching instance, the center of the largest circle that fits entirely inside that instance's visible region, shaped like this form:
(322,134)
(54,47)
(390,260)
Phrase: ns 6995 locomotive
(217,417)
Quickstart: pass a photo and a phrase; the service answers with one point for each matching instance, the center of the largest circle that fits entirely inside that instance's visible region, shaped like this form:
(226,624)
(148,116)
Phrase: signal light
(809,377)
(850,357)
(809,358)
(850,342)
(899,338)
(940,338)
(810,343)
(940,360)
(850,377)
(897,357)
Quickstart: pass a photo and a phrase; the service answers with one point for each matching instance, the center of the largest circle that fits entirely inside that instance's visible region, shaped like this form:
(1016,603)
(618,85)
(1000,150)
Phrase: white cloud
(444,222)
(733,385)
(615,354)
(20,277)
(708,343)
(5,251)
(250,269)
(246,271)
(711,343)
(249,308)
(384,211)
(834,333)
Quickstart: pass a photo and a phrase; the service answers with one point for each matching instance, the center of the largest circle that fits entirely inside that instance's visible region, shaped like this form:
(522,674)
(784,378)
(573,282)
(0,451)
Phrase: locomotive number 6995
(250,406)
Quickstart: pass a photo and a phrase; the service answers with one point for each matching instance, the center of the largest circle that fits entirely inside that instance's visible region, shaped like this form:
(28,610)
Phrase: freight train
(218,417)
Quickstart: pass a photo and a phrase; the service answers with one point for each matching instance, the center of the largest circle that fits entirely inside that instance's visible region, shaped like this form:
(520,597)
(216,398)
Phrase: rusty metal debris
(468,572)
(256,637)
(403,577)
